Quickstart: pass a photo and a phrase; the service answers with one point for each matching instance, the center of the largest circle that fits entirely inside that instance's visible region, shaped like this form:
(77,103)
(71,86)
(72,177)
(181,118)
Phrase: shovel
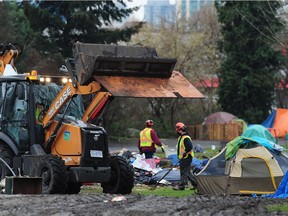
(154,186)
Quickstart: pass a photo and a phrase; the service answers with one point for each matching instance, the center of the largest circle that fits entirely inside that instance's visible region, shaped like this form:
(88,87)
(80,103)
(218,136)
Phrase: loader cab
(21,103)
(15,117)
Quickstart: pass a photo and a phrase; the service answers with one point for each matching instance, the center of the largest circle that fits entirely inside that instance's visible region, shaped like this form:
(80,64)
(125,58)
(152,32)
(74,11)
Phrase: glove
(184,154)
(162,148)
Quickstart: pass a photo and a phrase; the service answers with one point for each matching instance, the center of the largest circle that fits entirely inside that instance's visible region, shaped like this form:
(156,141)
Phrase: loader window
(14,113)
(46,94)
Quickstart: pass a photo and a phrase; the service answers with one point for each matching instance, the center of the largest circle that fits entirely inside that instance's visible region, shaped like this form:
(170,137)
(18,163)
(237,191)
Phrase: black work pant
(185,173)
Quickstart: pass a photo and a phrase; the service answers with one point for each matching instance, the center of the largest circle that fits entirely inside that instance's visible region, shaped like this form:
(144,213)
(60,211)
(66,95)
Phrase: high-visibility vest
(181,147)
(145,138)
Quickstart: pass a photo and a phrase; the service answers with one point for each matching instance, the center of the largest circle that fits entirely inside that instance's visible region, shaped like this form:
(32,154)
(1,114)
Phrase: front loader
(45,130)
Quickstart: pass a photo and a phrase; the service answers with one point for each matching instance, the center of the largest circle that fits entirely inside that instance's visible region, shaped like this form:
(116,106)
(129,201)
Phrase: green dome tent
(250,164)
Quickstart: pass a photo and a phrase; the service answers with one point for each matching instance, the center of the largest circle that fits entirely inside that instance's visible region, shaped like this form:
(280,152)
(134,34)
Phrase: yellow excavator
(46,132)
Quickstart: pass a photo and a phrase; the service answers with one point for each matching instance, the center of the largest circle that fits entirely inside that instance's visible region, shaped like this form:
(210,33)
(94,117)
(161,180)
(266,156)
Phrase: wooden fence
(218,132)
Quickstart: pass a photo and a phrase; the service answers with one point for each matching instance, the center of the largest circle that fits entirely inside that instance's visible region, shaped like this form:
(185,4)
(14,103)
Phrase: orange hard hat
(149,123)
(180,126)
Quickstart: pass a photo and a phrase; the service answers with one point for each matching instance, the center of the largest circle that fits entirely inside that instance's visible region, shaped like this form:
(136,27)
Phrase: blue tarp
(172,176)
(268,144)
(195,162)
(268,123)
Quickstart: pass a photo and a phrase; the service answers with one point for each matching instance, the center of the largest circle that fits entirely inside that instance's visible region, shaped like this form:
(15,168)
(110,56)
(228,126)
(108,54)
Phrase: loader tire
(54,175)
(73,188)
(7,155)
(122,177)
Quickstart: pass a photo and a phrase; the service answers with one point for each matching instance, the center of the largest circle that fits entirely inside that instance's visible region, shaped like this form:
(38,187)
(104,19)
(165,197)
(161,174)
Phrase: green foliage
(124,113)
(62,23)
(15,28)
(19,27)
(47,29)
(249,69)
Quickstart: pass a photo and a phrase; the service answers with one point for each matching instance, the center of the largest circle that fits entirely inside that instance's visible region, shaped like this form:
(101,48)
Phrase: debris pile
(149,171)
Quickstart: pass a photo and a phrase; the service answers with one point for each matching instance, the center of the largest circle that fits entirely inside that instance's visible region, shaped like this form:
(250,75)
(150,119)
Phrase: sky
(139,15)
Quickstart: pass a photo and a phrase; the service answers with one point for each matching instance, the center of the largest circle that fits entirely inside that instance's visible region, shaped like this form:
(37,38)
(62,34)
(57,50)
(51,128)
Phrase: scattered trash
(118,199)
(165,182)
(198,148)
(149,171)
(125,153)
(145,164)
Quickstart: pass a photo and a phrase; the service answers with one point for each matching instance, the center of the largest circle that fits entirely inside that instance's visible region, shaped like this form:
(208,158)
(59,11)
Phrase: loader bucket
(23,185)
(130,71)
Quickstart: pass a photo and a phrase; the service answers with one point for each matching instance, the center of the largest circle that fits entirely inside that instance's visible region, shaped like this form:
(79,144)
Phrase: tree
(15,28)
(282,44)
(194,44)
(62,23)
(250,66)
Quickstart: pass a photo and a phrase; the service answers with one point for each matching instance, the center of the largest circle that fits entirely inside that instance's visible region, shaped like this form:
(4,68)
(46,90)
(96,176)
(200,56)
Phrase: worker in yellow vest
(185,155)
(148,139)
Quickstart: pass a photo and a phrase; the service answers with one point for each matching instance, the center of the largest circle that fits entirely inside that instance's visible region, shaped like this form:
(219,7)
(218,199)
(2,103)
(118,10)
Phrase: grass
(167,191)
(92,189)
(144,190)
(278,208)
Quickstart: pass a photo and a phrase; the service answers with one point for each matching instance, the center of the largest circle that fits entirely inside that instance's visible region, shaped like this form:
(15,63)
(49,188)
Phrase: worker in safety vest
(185,155)
(148,139)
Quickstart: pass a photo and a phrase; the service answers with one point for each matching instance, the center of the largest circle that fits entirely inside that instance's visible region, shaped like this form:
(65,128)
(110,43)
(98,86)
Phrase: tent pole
(228,178)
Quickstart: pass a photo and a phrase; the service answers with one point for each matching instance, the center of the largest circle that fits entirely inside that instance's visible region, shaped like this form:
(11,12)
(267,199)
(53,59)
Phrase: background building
(186,8)
(159,12)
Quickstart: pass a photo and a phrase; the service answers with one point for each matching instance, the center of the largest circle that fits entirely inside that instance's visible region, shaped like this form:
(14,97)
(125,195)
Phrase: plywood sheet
(175,86)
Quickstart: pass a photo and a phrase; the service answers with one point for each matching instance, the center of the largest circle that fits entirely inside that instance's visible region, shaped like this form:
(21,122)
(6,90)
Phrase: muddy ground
(103,204)
(134,205)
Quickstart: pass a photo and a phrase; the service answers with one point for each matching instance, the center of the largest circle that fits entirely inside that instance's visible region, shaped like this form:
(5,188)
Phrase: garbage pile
(150,171)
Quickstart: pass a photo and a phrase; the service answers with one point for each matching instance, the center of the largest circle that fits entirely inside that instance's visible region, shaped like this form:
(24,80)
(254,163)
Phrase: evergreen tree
(15,29)
(62,23)
(249,70)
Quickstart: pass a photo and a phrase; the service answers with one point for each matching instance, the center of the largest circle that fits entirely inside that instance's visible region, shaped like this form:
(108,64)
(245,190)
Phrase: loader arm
(122,71)
(67,92)
(96,106)
(8,55)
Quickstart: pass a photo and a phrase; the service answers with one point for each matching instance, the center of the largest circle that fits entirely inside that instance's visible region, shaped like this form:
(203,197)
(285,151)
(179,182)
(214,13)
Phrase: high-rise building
(158,12)
(186,8)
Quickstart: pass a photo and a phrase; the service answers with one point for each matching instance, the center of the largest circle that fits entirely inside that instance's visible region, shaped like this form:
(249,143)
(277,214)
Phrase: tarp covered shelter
(219,118)
(248,164)
(277,123)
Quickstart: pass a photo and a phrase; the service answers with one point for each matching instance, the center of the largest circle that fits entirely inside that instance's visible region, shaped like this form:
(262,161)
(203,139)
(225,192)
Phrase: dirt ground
(134,205)
(104,204)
